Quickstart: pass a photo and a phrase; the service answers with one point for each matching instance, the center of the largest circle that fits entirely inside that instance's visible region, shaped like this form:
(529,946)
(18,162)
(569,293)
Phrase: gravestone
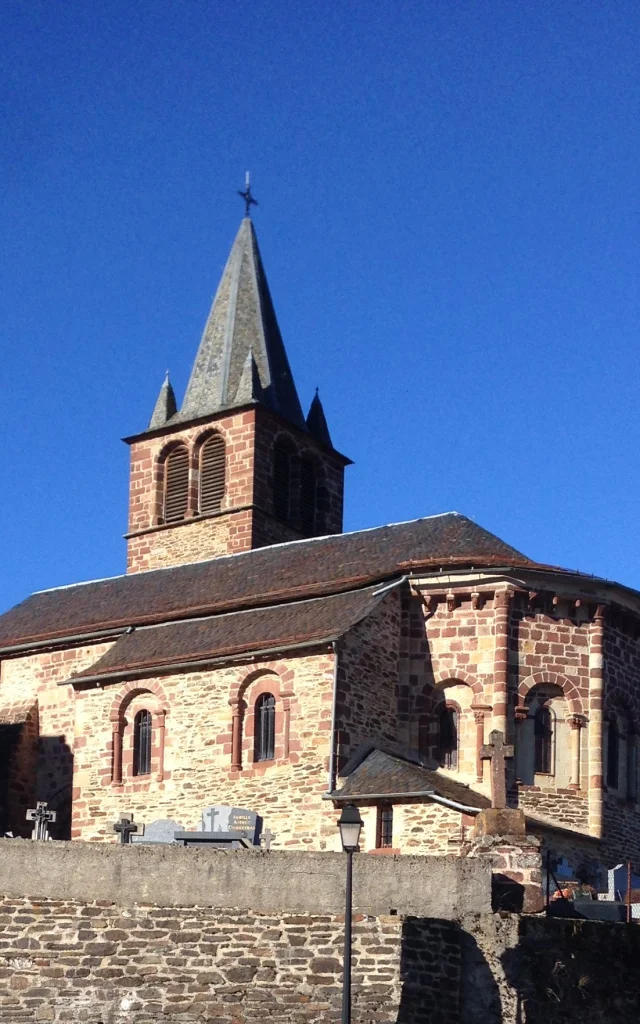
(158,832)
(41,817)
(224,827)
(221,818)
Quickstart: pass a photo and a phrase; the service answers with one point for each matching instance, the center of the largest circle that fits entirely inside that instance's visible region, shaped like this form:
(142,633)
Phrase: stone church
(255,655)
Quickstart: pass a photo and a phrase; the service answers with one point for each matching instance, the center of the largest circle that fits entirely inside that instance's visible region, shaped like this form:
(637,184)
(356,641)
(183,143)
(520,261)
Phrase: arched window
(176,485)
(448,738)
(384,827)
(265,727)
(308,496)
(142,743)
(613,754)
(543,741)
(212,474)
(281,480)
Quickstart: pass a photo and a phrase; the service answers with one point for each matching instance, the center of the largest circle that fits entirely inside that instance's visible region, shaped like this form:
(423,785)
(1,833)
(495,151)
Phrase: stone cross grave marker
(497,751)
(125,829)
(41,816)
(266,837)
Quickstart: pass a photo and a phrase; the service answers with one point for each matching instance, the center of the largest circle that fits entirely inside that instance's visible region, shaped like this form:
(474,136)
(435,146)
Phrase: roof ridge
(253,551)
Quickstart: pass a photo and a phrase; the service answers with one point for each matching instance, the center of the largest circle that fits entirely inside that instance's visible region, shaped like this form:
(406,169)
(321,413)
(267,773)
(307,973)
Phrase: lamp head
(350,824)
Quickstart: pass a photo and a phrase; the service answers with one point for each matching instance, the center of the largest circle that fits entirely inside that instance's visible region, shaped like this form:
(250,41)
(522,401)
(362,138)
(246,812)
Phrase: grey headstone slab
(162,831)
(222,818)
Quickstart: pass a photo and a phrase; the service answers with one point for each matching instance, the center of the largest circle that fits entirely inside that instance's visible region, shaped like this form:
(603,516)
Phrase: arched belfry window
(212,474)
(281,480)
(142,743)
(543,741)
(265,727)
(448,738)
(176,485)
(613,754)
(308,496)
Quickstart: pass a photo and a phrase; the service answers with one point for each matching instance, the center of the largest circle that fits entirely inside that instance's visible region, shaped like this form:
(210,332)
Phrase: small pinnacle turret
(165,406)
(317,421)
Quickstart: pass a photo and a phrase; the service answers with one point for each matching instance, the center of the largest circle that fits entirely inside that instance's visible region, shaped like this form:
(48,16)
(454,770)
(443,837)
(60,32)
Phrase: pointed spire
(317,421)
(165,406)
(242,322)
(249,388)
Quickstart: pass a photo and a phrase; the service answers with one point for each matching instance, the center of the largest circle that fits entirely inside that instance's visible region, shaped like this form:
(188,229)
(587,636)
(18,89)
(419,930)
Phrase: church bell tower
(237,466)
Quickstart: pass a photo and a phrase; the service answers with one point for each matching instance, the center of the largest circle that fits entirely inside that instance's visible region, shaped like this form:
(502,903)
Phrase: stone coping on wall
(287,881)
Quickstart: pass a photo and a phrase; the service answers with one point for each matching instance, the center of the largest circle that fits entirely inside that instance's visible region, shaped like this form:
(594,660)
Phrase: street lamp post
(350,824)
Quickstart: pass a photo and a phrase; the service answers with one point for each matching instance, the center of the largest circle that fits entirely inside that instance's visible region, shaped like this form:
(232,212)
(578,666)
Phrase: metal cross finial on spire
(249,201)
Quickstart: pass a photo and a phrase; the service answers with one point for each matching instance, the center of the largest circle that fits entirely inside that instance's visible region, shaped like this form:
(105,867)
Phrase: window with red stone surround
(248,704)
(130,708)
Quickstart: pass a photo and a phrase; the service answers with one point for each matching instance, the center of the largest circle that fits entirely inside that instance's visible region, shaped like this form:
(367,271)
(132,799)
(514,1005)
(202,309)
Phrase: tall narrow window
(448,738)
(142,743)
(265,727)
(176,485)
(281,480)
(308,497)
(543,741)
(632,767)
(212,474)
(384,827)
(613,755)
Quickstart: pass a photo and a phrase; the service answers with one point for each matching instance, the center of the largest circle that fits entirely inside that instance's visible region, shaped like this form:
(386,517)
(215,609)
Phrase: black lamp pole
(346,963)
(350,824)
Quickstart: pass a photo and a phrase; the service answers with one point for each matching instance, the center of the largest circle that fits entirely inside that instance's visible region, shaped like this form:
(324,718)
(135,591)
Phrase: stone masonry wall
(367,697)
(66,961)
(191,540)
(33,680)
(115,935)
(246,519)
(197,770)
(118,961)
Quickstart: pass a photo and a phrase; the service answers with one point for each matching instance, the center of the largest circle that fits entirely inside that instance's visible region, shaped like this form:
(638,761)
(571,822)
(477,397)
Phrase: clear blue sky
(449,221)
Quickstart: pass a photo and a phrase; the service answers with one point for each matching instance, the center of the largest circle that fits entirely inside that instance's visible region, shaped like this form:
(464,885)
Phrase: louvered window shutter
(212,474)
(307,497)
(176,485)
(281,481)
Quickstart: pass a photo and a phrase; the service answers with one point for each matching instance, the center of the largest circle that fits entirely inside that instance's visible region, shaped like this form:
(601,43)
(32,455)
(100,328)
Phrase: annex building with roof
(255,655)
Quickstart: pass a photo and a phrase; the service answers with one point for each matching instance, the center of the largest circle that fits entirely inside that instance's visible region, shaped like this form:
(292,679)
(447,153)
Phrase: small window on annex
(384,827)
(448,738)
(142,743)
(543,741)
(265,728)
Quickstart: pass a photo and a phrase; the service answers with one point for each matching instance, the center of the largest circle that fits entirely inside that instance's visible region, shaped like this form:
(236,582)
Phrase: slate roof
(388,774)
(165,406)
(242,328)
(287,625)
(299,569)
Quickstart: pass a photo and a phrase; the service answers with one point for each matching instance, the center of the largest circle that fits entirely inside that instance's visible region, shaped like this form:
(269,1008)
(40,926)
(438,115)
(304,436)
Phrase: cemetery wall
(278,880)
(109,957)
